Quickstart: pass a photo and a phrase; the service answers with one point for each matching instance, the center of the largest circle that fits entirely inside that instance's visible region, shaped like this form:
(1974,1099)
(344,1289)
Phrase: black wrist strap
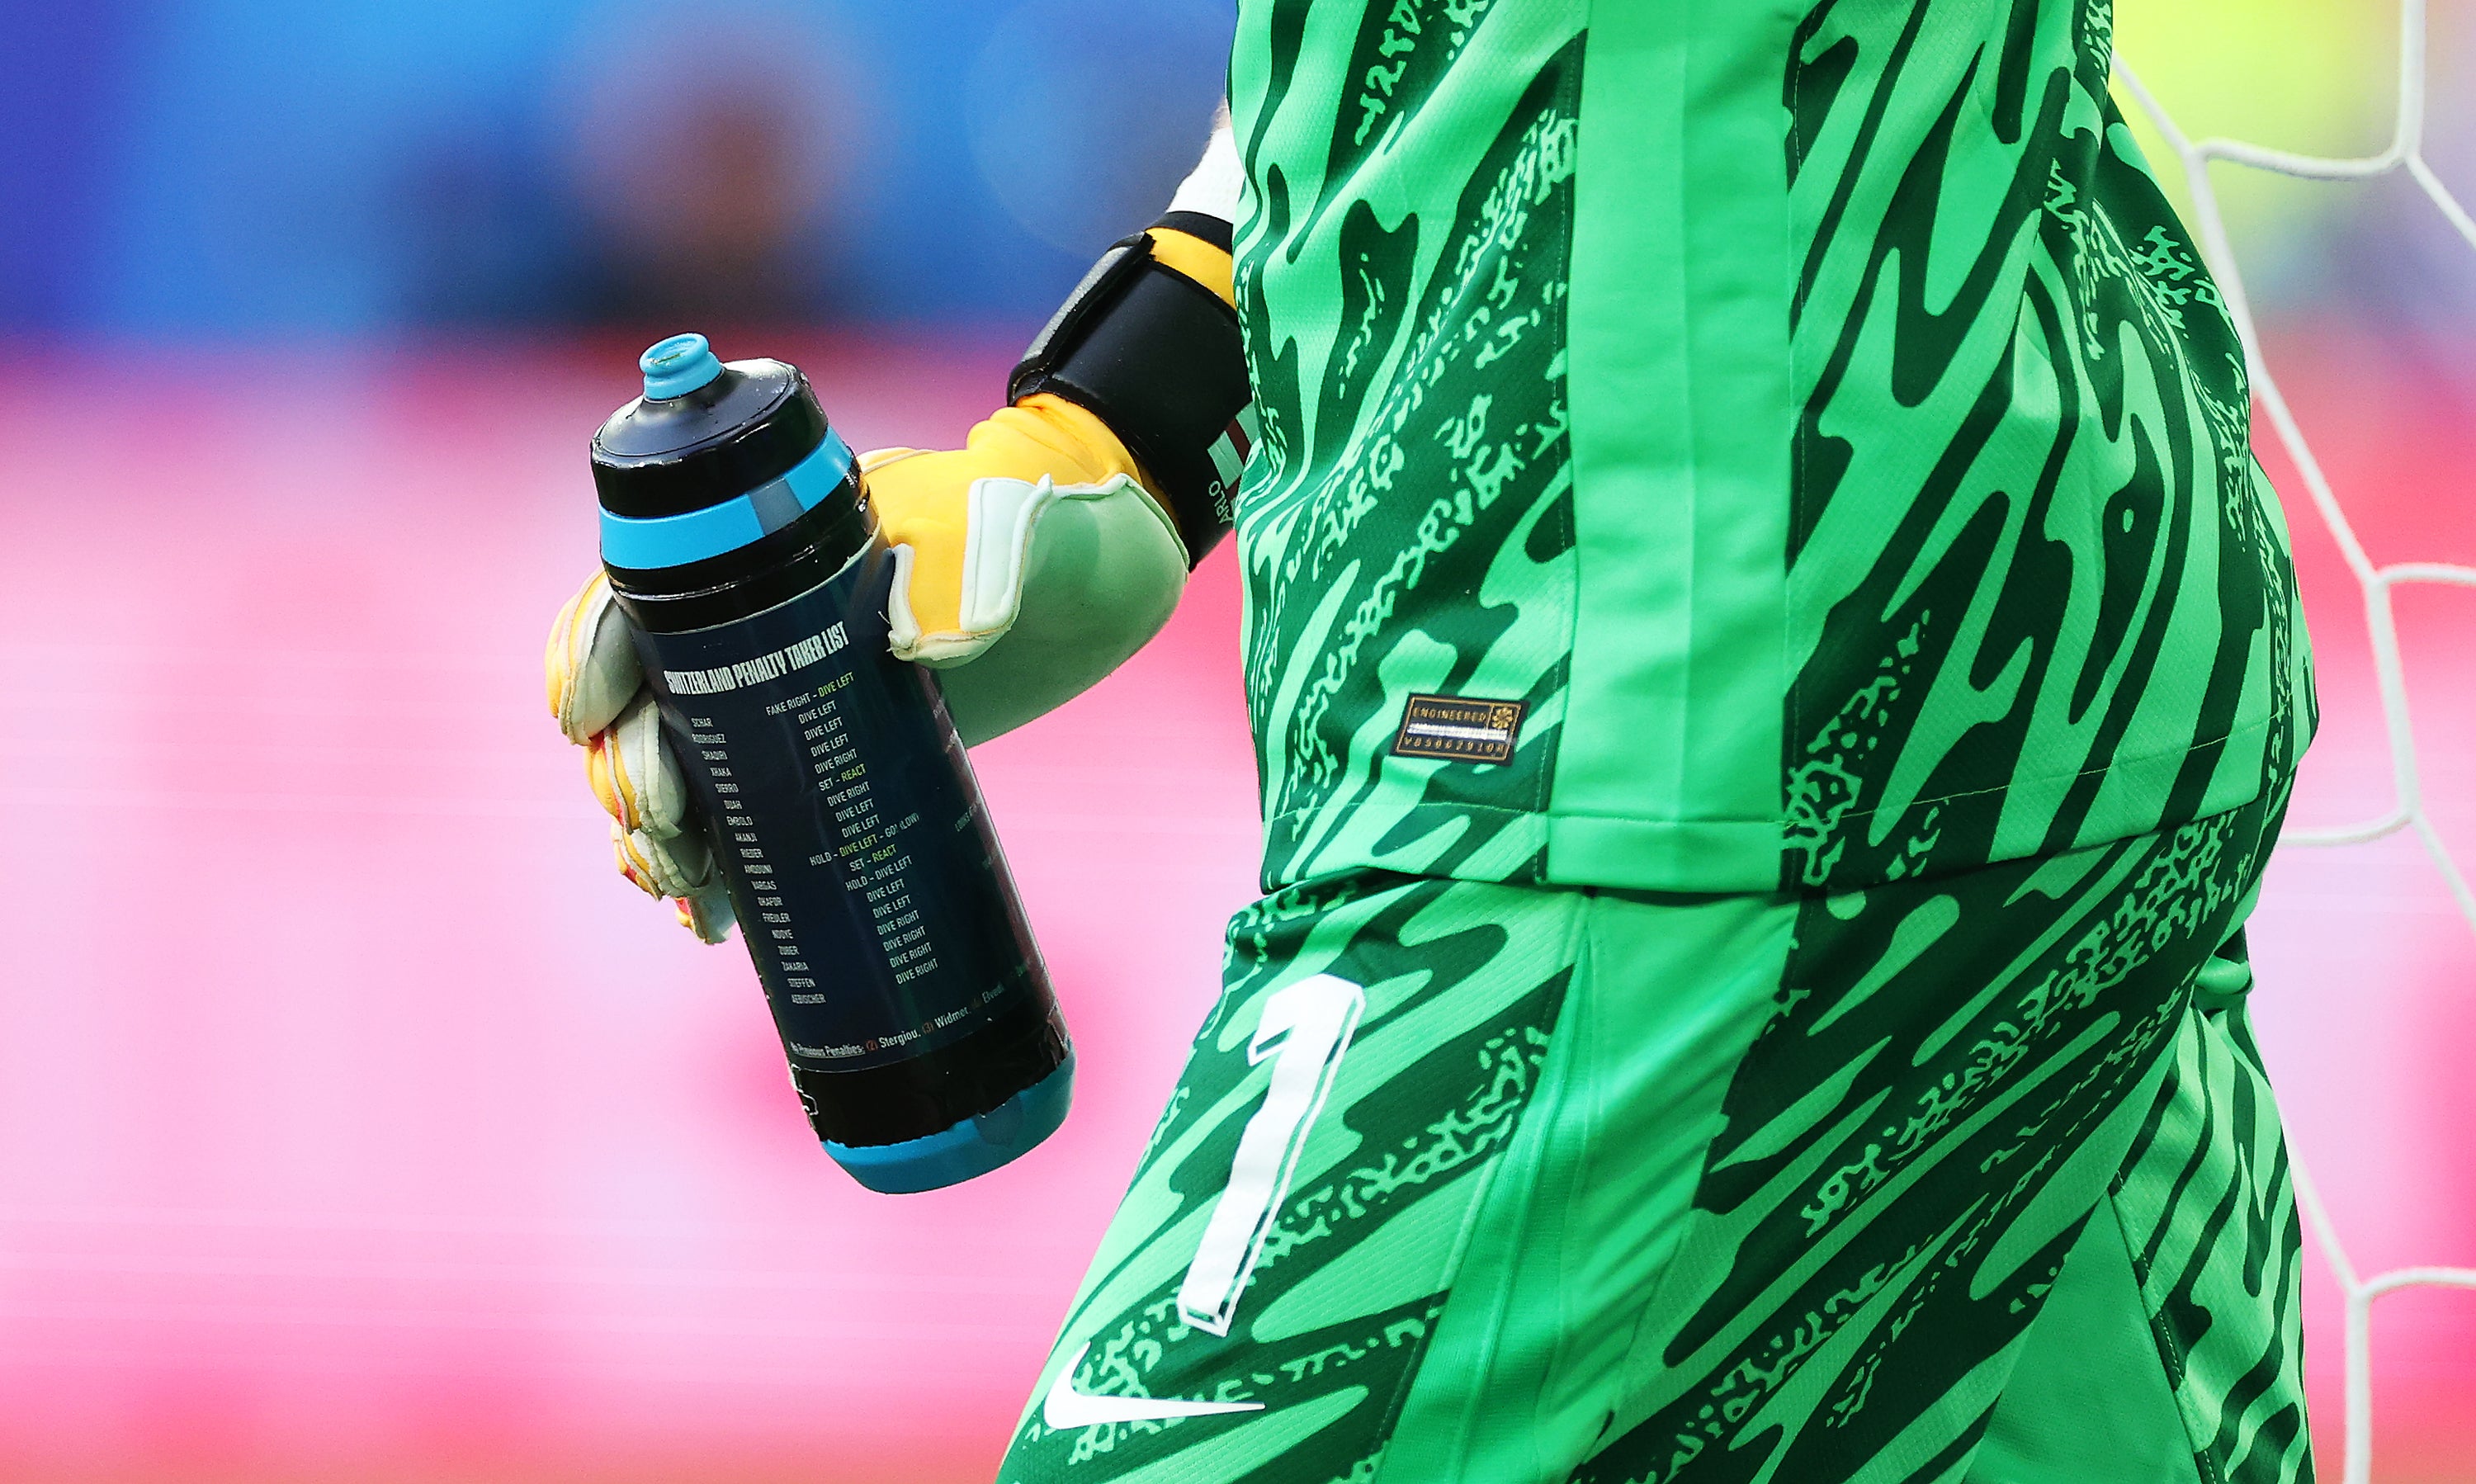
(1155,355)
(1200,225)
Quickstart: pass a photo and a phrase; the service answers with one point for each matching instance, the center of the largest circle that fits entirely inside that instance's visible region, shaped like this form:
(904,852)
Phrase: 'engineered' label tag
(1458,729)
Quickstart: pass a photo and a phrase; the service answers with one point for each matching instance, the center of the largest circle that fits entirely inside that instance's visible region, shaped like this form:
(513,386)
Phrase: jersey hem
(2132,800)
(1664,855)
(1629,853)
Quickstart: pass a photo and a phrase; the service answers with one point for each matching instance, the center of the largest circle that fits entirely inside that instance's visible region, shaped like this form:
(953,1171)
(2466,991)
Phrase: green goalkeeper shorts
(1972,1179)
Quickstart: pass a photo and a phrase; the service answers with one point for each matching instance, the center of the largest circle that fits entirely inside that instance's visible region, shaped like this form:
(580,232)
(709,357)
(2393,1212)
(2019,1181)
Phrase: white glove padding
(1043,590)
(1058,586)
(596,690)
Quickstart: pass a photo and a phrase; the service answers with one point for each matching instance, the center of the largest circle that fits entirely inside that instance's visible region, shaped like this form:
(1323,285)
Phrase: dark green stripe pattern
(2040,596)
(1958,1073)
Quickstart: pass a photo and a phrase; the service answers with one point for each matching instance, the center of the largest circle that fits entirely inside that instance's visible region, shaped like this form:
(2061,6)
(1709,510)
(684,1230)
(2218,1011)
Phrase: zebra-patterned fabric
(2209,1212)
(1961,557)
(1291,1236)
(1960,1075)
(1467,1181)
(1406,523)
(2039,592)
(1765,1170)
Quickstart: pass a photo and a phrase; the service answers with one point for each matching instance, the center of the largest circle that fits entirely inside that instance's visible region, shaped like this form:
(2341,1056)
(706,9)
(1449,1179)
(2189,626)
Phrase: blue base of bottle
(976,1146)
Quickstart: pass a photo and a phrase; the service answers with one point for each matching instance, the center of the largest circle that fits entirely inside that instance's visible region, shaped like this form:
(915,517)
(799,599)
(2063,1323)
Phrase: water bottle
(923,1035)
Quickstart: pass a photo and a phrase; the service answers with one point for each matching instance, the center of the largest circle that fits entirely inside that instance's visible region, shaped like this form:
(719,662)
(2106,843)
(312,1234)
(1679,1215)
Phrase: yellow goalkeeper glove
(1028,563)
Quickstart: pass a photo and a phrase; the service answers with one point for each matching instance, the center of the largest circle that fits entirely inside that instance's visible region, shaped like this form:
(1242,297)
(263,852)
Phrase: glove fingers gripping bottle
(923,1034)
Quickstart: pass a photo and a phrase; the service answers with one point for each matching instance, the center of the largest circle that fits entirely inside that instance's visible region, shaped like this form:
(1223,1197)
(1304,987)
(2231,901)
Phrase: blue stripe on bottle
(675,540)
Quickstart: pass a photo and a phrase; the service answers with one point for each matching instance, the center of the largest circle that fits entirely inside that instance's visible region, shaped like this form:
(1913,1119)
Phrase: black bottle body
(921,1028)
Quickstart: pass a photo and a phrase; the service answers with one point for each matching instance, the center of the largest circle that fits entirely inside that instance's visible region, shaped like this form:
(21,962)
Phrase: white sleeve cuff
(1212,190)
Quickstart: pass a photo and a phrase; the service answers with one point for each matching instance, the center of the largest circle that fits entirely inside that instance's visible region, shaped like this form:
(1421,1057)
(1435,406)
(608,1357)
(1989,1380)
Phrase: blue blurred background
(234,168)
(230,169)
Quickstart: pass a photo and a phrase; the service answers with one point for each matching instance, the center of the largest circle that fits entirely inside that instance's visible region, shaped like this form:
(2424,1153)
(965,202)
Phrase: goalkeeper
(1775,675)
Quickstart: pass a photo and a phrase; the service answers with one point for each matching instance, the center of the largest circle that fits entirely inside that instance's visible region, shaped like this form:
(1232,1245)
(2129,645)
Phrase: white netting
(2405,154)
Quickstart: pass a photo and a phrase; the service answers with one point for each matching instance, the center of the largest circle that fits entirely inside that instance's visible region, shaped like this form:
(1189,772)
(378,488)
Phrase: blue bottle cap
(677,366)
(976,1146)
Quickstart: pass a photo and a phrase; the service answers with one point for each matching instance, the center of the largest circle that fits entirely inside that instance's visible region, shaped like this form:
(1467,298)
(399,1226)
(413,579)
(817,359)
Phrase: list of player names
(872,853)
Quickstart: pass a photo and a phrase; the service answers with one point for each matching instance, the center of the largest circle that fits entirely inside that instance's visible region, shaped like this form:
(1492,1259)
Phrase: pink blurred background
(356,1122)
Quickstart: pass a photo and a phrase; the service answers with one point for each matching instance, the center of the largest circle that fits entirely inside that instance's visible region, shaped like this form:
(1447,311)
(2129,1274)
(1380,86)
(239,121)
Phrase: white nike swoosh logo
(1065,1408)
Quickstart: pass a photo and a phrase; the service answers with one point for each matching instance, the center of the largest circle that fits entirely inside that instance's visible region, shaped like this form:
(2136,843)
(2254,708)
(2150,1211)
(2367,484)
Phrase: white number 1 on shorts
(1306,1027)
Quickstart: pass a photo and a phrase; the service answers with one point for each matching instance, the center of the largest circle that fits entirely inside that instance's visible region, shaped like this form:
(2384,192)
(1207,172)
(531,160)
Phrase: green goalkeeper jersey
(1734,447)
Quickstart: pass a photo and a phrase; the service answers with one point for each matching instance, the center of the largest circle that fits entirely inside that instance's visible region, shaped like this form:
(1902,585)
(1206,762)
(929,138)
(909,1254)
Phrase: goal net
(2406,811)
